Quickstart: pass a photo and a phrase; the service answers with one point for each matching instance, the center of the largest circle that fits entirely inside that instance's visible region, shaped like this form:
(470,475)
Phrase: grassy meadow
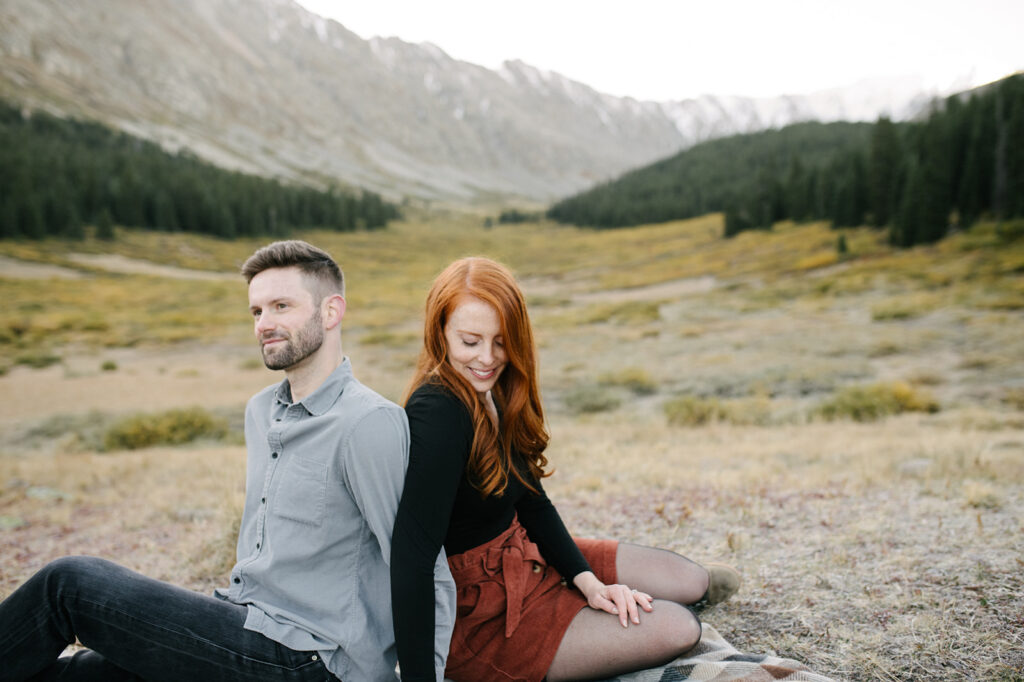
(847,429)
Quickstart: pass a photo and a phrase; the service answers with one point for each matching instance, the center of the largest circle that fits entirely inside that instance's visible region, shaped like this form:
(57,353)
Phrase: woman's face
(476,348)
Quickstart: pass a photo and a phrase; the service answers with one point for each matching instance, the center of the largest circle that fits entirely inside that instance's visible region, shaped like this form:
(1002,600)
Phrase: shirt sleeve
(545,527)
(440,441)
(375,469)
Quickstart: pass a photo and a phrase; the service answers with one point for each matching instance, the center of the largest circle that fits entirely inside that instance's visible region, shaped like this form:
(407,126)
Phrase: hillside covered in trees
(963,162)
(57,175)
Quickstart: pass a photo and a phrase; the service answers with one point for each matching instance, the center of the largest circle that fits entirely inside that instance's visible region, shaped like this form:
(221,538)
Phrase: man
(309,598)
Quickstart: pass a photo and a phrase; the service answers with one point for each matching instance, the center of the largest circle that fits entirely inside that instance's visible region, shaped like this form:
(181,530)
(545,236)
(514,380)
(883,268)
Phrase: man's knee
(71,572)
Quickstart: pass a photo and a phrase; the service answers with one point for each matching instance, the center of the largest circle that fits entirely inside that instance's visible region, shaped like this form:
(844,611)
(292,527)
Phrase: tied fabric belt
(509,563)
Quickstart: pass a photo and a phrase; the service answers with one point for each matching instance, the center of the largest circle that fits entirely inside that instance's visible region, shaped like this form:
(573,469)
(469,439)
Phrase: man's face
(287,319)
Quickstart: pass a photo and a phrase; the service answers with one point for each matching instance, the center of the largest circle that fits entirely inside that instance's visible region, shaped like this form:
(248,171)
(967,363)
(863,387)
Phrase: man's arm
(375,469)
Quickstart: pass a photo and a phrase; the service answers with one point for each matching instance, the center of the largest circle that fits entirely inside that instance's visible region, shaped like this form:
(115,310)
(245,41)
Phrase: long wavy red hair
(516,392)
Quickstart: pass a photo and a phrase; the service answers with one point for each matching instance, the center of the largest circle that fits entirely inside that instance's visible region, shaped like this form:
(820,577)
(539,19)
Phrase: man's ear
(333,311)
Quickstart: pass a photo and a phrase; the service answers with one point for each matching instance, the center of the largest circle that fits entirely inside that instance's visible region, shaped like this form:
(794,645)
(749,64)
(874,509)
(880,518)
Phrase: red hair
(516,392)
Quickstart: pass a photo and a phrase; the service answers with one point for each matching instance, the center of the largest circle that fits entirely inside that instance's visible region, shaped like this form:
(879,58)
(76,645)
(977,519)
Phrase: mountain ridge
(265,86)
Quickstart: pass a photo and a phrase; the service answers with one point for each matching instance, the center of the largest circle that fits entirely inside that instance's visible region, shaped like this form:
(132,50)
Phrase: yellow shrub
(874,401)
(168,428)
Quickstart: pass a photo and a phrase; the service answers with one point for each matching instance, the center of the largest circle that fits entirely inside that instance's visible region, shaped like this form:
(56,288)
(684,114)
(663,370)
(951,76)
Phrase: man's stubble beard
(298,346)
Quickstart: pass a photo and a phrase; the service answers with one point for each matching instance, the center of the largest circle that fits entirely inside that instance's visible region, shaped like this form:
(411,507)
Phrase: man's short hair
(315,263)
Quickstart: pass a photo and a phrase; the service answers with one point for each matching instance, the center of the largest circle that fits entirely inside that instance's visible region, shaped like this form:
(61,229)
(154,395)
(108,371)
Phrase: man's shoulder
(359,395)
(362,406)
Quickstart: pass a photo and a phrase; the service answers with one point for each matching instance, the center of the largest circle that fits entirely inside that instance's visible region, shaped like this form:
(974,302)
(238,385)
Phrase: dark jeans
(135,628)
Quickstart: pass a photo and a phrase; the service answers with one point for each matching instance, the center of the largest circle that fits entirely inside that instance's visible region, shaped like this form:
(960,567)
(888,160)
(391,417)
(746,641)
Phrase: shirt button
(238,581)
(273,455)
(257,545)
(263,500)
(315,657)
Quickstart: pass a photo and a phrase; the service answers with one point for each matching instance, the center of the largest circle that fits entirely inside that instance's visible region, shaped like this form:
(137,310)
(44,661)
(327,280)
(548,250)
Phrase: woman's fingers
(623,602)
(644,600)
(634,613)
(489,406)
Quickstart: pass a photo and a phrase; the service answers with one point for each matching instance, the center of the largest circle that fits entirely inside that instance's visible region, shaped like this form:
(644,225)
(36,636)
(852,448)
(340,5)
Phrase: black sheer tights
(597,646)
(661,573)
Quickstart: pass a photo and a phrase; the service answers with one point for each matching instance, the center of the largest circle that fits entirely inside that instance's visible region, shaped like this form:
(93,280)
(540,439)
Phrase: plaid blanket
(715,660)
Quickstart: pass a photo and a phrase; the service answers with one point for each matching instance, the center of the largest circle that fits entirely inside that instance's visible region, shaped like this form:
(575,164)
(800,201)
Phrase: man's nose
(264,323)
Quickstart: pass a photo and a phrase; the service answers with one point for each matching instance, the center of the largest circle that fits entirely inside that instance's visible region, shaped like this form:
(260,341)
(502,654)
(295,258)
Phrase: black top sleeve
(545,527)
(438,425)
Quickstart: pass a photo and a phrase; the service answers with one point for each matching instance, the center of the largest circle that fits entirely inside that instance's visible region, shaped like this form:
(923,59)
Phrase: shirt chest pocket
(302,491)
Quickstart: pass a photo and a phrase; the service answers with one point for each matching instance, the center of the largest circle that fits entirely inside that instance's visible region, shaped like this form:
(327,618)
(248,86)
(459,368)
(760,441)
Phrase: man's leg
(141,627)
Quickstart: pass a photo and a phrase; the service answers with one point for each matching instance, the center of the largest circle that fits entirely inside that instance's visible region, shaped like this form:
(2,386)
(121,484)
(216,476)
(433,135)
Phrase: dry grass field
(846,430)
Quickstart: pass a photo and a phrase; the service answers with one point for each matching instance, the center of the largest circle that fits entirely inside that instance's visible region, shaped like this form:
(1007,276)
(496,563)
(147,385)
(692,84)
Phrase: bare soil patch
(14,268)
(134,266)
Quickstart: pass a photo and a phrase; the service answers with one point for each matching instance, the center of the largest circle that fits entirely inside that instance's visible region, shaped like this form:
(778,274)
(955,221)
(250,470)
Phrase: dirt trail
(653,292)
(135,266)
(12,268)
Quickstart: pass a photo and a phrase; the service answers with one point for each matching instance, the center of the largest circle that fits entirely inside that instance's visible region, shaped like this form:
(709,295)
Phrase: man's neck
(307,376)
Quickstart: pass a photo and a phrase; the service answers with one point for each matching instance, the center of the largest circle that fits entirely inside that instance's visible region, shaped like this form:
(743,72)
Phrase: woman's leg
(661,573)
(596,646)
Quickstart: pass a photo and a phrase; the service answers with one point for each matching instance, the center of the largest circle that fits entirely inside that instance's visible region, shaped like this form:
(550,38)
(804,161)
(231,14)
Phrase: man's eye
(256,313)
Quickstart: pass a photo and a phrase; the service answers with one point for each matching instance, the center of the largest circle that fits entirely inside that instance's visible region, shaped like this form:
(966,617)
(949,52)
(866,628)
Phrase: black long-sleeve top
(440,506)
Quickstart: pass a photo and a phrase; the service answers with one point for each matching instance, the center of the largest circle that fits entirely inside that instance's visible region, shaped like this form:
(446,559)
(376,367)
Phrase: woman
(474,487)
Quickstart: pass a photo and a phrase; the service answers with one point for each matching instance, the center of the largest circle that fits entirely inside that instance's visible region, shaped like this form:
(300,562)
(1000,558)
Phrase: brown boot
(723,582)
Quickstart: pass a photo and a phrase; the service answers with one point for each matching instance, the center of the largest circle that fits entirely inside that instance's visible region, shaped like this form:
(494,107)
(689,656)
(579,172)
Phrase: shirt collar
(320,400)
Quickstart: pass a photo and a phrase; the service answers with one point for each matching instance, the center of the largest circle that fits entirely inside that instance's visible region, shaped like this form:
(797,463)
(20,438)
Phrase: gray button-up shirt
(323,482)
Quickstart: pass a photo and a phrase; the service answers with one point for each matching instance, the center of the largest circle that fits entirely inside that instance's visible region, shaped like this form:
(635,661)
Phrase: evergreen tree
(54,172)
(104,226)
(884,162)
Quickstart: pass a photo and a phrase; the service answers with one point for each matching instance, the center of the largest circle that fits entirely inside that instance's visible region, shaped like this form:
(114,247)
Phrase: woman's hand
(618,600)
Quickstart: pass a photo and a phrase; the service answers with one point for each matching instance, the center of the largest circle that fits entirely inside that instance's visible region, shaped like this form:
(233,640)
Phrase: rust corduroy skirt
(514,609)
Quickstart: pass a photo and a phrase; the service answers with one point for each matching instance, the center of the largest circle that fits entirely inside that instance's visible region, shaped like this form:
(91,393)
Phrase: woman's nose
(486,353)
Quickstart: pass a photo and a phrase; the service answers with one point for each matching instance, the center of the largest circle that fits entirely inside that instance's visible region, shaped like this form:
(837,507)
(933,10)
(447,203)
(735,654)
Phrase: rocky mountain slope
(266,86)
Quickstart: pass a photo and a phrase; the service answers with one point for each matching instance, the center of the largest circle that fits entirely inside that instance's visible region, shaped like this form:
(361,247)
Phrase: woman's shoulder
(435,400)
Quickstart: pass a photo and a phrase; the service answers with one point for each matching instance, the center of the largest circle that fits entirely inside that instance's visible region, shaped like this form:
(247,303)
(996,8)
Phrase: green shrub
(168,428)
(632,378)
(1014,397)
(1011,230)
(693,411)
(895,310)
(591,399)
(874,401)
(631,312)
(37,359)
(109,366)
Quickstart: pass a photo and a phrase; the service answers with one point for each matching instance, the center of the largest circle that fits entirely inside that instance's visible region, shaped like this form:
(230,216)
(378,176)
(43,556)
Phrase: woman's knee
(680,630)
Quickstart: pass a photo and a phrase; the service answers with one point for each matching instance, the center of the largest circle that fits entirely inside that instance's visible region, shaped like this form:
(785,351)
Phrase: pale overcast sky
(675,49)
